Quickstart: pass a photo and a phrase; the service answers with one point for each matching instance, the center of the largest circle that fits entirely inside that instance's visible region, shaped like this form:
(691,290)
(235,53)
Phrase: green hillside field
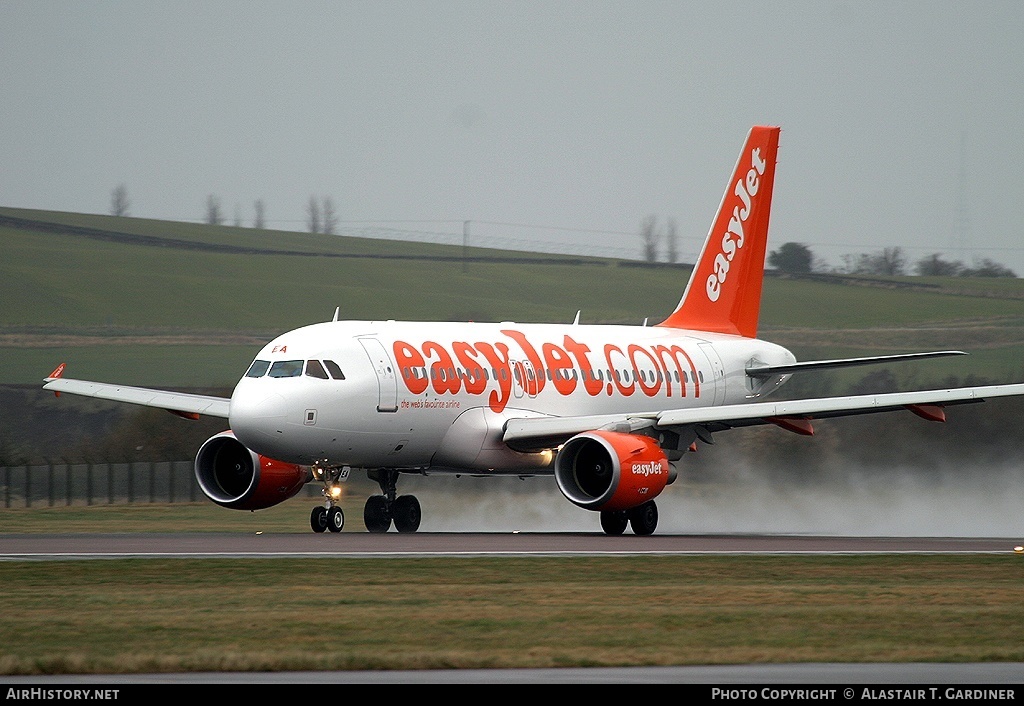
(187,305)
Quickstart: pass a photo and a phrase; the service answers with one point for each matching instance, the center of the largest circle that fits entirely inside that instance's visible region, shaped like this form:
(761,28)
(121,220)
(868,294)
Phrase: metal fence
(56,484)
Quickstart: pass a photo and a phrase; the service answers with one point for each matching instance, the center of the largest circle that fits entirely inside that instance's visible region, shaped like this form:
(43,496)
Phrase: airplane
(608,410)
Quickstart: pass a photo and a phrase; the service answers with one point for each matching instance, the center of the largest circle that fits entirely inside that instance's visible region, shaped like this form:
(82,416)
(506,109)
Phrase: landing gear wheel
(318,518)
(377,514)
(614,522)
(406,511)
(335,519)
(644,518)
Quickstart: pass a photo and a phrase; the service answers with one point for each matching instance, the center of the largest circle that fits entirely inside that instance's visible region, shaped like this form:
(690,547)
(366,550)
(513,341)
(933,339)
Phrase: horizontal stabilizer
(766,370)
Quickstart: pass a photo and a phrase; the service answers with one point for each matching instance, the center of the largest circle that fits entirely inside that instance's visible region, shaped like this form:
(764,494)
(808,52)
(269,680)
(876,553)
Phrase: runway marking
(75,556)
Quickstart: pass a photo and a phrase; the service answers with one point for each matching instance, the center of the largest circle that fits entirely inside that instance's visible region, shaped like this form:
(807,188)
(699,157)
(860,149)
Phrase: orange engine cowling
(604,470)
(233,476)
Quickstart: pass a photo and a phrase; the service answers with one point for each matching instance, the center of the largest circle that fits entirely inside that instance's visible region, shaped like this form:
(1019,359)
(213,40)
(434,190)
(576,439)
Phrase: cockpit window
(315,370)
(286,369)
(334,370)
(258,369)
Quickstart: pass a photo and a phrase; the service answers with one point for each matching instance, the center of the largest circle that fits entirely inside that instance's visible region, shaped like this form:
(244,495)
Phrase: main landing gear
(381,510)
(643,518)
(378,513)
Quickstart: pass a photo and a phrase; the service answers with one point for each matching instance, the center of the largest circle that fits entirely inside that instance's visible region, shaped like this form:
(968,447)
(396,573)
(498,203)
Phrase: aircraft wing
(793,415)
(180,403)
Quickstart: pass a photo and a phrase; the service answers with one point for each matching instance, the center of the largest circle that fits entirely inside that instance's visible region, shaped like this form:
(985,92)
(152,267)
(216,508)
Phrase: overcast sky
(901,121)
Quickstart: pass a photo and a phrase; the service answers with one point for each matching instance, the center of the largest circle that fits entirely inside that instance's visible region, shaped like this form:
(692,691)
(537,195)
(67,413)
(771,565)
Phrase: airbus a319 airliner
(607,410)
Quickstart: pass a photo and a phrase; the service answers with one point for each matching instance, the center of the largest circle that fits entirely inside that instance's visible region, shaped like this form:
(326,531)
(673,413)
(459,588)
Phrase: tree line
(792,257)
(321,216)
(797,258)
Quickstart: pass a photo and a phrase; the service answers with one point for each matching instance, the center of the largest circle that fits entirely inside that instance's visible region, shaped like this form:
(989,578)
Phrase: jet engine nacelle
(605,470)
(233,476)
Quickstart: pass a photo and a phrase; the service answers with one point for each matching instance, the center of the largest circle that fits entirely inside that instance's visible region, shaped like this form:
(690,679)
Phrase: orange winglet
(931,412)
(184,415)
(58,372)
(797,425)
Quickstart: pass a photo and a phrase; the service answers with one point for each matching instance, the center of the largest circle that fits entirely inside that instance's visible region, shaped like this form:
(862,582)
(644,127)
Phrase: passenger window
(286,369)
(315,370)
(334,370)
(258,369)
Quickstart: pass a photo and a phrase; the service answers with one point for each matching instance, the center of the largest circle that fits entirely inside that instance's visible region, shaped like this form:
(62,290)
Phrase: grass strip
(156,615)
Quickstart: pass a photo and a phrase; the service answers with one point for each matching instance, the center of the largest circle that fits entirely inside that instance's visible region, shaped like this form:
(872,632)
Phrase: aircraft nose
(257,406)
(255,413)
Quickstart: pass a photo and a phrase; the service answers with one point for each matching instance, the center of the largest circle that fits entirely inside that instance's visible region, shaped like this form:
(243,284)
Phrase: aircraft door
(387,380)
(717,377)
(524,378)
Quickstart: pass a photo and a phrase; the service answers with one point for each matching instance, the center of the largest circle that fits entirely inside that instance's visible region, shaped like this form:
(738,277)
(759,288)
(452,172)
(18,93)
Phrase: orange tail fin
(724,292)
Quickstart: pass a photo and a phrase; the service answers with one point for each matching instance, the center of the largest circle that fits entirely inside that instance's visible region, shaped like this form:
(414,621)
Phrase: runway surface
(362,544)
(842,676)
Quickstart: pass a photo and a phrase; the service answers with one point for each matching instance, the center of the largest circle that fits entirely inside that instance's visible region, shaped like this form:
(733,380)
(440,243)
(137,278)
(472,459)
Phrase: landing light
(335,491)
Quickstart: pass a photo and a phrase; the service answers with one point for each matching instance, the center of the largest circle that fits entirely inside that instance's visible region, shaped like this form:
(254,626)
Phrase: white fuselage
(433,397)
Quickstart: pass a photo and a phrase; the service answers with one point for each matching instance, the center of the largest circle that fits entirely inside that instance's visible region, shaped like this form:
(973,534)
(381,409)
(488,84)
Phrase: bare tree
(988,268)
(934,265)
(888,261)
(313,215)
(261,215)
(650,236)
(238,216)
(119,201)
(330,219)
(892,261)
(672,240)
(213,214)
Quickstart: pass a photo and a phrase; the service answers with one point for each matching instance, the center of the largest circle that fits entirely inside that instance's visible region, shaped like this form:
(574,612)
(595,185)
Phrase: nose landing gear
(329,516)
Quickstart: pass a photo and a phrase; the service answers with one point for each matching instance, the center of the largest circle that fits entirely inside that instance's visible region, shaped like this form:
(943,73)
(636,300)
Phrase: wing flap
(177,402)
(535,433)
(761,370)
(825,407)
